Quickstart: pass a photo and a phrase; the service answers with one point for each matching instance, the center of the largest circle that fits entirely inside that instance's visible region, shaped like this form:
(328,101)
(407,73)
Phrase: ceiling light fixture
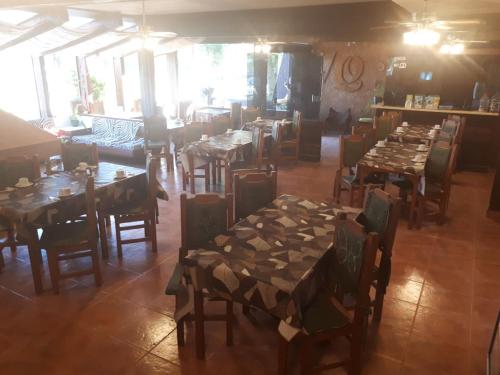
(422,36)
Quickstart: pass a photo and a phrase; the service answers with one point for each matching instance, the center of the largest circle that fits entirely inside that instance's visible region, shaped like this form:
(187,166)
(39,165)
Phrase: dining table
(275,260)
(417,133)
(227,147)
(397,158)
(267,124)
(40,205)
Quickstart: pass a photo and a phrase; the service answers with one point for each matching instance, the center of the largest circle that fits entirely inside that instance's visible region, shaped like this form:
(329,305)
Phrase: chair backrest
(249,115)
(194,130)
(220,124)
(74,153)
(252,191)
(13,168)
(395,116)
(203,217)
(155,129)
(257,145)
(450,127)
(369,134)
(354,259)
(296,121)
(383,126)
(91,212)
(236,115)
(437,162)
(381,215)
(351,150)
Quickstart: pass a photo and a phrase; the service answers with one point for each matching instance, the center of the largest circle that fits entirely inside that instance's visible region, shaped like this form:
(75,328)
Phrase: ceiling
(440,8)
(452,8)
(172,6)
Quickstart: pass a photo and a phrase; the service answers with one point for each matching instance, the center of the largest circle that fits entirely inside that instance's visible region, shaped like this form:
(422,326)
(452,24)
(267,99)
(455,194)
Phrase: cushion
(323,315)
(349,247)
(205,222)
(64,234)
(376,214)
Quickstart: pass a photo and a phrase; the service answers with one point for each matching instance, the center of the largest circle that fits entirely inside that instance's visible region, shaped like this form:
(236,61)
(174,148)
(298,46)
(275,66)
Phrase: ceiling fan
(429,22)
(145,33)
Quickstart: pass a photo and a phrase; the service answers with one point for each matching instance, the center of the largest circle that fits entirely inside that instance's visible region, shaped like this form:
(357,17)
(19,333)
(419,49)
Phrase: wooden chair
(438,182)
(236,116)
(75,153)
(9,240)
(249,114)
(192,133)
(326,317)
(196,212)
(72,240)
(369,134)
(253,190)
(11,169)
(351,150)
(395,116)
(383,126)
(144,211)
(220,124)
(157,141)
(381,215)
(287,146)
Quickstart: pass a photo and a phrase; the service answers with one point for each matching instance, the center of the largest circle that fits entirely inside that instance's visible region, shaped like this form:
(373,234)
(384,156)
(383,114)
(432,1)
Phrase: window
(131,83)
(214,74)
(19,95)
(62,81)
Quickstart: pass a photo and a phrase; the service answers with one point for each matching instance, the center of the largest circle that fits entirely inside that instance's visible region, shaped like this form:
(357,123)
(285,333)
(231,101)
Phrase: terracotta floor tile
(443,326)
(445,300)
(404,290)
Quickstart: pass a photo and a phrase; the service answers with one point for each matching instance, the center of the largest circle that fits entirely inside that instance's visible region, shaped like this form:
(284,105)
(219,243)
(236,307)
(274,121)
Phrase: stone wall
(341,90)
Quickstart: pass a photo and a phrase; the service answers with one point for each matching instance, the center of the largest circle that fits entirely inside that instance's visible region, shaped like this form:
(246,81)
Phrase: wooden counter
(443,111)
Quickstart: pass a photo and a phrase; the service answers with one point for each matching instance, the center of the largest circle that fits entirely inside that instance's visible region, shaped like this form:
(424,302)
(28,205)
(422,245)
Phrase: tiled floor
(439,311)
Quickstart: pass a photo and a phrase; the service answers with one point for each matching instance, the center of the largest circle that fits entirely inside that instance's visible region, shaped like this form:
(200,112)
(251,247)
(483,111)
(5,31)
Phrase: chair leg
(180,333)
(118,237)
(379,301)
(53,269)
(305,357)
(351,196)
(107,220)
(214,171)
(199,324)
(101,221)
(282,356)
(207,177)
(219,171)
(355,360)
(11,237)
(420,212)
(96,267)
(152,234)
(184,179)
(229,323)
(442,210)
(192,182)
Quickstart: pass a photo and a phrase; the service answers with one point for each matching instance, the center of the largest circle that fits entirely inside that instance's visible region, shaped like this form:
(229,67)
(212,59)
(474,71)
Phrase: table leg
(227,179)
(413,204)
(35,259)
(214,171)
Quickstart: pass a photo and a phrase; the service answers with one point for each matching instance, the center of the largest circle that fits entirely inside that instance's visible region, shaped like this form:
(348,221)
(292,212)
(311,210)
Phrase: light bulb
(421,37)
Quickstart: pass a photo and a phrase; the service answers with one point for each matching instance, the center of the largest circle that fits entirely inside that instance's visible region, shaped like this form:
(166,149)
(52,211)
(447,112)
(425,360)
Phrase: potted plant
(97,94)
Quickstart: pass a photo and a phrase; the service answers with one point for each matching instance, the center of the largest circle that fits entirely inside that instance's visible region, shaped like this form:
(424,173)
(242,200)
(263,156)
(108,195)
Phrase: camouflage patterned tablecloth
(39,205)
(396,158)
(413,134)
(275,259)
(223,147)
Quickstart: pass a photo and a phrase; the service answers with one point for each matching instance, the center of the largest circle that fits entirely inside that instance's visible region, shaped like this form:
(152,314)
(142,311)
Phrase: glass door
(279,82)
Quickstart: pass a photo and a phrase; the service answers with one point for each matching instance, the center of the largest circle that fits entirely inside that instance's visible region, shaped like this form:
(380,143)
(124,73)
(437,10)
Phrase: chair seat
(175,281)
(403,184)
(323,315)
(64,234)
(370,179)
(129,209)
